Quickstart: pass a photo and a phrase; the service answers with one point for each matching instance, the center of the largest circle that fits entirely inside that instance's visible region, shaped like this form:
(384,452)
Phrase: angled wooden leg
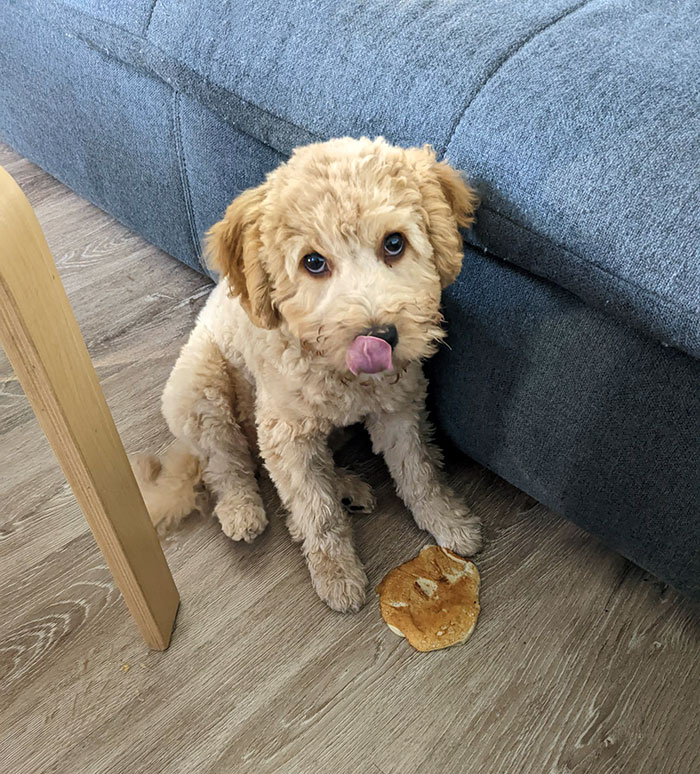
(45,347)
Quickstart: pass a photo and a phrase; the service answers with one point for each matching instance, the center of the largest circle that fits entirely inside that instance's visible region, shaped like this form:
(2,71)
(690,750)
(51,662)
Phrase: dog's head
(348,246)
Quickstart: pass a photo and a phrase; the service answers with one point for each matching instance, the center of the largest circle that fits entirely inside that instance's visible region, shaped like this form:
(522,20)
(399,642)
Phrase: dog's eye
(315,264)
(393,246)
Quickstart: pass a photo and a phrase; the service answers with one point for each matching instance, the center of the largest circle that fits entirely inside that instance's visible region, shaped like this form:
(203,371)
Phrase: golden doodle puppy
(329,300)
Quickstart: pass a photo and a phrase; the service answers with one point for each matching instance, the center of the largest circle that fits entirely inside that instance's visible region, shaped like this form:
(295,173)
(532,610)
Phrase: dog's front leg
(300,463)
(403,439)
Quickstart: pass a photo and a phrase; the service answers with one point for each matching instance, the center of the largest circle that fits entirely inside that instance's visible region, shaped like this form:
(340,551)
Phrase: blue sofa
(575,324)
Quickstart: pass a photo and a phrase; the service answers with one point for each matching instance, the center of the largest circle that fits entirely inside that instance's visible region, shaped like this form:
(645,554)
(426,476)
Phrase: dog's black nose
(386,332)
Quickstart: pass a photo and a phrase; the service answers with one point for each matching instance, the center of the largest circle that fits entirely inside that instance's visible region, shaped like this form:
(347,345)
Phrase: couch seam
(153,73)
(504,60)
(667,302)
(150,17)
(184,177)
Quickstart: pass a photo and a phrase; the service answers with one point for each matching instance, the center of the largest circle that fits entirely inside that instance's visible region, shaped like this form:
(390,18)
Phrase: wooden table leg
(43,343)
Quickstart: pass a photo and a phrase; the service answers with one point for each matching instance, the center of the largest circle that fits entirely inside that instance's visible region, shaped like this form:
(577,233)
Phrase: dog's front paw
(356,495)
(453,526)
(339,579)
(463,537)
(241,518)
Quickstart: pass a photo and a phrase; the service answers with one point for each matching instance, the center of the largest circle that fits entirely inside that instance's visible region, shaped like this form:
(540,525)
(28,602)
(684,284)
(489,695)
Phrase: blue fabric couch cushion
(63,104)
(586,146)
(578,120)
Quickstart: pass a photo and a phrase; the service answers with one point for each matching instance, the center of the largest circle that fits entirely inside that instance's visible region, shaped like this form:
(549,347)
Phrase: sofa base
(581,412)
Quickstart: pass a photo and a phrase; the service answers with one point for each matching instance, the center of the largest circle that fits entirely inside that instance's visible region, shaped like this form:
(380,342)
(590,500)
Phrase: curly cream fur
(266,360)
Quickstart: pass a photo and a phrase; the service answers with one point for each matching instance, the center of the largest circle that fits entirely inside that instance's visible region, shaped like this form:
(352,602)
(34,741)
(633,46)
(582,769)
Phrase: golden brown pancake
(433,600)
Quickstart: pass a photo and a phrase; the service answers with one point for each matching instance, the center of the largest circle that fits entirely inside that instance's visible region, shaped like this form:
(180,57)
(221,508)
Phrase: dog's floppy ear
(449,203)
(234,250)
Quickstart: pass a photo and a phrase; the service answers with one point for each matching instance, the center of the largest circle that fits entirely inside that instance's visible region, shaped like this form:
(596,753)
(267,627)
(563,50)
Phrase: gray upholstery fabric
(579,121)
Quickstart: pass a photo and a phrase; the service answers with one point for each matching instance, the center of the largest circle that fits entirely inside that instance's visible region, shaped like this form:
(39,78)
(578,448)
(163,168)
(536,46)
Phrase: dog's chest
(342,401)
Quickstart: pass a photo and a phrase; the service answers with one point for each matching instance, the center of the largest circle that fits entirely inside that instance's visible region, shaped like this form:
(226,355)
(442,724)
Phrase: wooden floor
(580,662)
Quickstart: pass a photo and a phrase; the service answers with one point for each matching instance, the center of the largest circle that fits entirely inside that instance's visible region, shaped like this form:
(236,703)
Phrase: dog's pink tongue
(369,355)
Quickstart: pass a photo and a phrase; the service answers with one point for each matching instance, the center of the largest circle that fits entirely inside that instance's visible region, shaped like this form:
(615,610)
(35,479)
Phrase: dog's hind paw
(356,495)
